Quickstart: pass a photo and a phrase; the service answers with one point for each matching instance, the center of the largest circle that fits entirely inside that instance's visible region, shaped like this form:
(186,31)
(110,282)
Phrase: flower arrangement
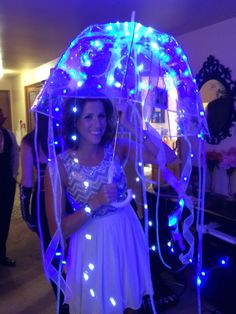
(213,159)
(225,160)
(228,159)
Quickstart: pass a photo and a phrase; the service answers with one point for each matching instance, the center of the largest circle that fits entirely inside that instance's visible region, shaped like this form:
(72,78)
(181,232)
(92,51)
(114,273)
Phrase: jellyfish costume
(147,70)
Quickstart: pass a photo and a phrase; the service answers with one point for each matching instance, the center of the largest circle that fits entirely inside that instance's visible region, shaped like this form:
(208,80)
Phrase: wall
(18,88)
(218,40)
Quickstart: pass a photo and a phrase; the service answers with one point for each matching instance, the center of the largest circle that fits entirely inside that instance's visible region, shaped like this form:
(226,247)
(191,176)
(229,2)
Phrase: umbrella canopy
(147,69)
(127,61)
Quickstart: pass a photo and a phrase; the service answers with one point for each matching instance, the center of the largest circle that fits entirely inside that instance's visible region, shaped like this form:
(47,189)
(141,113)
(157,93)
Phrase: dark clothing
(43,223)
(7,190)
(34,214)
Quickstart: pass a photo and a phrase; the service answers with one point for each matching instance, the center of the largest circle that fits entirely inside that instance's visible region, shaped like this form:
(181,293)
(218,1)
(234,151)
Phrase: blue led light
(223,261)
(110,79)
(198,281)
(172,221)
(181,202)
(200,136)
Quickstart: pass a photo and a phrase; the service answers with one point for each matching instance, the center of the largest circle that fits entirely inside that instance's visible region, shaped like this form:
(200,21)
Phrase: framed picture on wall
(158,115)
(31,92)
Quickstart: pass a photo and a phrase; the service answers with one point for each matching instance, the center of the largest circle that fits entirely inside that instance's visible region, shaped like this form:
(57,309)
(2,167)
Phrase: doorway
(6,107)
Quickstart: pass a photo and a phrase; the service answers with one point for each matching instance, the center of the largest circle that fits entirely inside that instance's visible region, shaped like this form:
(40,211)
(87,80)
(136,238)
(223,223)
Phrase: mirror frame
(213,70)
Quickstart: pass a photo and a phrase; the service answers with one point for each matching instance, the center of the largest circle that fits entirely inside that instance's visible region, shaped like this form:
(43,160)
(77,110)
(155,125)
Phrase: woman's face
(92,122)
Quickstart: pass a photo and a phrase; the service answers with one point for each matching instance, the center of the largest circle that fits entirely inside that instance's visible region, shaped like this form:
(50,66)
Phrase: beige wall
(17,84)
(218,39)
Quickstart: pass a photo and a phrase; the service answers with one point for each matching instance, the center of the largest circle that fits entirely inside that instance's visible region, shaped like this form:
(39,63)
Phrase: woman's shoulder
(62,156)
(28,139)
(66,156)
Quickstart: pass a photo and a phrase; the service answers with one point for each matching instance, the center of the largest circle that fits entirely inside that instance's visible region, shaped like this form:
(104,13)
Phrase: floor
(24,288)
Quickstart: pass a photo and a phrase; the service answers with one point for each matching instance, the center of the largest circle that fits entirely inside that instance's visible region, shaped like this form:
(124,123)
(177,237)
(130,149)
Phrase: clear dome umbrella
(147,70)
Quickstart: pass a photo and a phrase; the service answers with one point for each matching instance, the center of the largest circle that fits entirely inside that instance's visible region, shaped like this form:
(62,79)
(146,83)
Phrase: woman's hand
(106,195)
(124,113)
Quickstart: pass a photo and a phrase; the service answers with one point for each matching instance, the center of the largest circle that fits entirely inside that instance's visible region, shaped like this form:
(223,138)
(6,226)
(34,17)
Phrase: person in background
(108,262)
(29,185)
(9,162)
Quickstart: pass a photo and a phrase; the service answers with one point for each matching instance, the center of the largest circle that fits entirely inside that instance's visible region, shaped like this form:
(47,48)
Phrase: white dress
(108,262)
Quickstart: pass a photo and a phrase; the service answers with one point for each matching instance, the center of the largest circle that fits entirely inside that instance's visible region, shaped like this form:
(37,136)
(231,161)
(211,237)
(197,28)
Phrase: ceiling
(35,32)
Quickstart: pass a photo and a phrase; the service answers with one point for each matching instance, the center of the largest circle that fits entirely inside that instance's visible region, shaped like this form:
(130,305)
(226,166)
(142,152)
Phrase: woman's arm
(27,164)
(73,222)
(70,223)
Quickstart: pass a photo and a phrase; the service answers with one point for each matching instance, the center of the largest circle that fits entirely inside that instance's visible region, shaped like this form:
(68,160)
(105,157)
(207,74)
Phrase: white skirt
(108,265)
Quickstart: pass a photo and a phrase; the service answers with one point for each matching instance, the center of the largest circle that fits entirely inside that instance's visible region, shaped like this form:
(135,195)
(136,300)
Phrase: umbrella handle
(124,202)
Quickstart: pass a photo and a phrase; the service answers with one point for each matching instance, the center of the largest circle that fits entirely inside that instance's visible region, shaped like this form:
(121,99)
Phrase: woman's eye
(102,116)
(88,117)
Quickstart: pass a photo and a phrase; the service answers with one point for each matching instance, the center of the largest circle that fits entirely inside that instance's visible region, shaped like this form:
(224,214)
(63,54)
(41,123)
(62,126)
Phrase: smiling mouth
(96,133)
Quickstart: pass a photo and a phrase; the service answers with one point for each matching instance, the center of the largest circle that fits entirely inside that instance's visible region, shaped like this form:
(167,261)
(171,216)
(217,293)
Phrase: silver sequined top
(85,181)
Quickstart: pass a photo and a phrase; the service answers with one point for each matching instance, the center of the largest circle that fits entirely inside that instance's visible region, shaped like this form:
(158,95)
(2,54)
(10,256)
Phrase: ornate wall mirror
(218,92)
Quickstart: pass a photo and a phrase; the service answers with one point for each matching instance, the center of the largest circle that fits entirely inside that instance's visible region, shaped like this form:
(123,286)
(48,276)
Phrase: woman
(29,169)
(108,262)
(9,161)
(29,186)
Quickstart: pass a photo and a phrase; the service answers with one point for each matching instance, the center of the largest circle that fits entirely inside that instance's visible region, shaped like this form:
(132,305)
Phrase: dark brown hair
(70,119)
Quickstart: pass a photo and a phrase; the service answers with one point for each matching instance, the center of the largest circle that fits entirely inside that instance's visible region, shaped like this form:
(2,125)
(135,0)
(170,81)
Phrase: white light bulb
(91,266)
(113,302)
(86,184)
(86,276)
(88,236)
